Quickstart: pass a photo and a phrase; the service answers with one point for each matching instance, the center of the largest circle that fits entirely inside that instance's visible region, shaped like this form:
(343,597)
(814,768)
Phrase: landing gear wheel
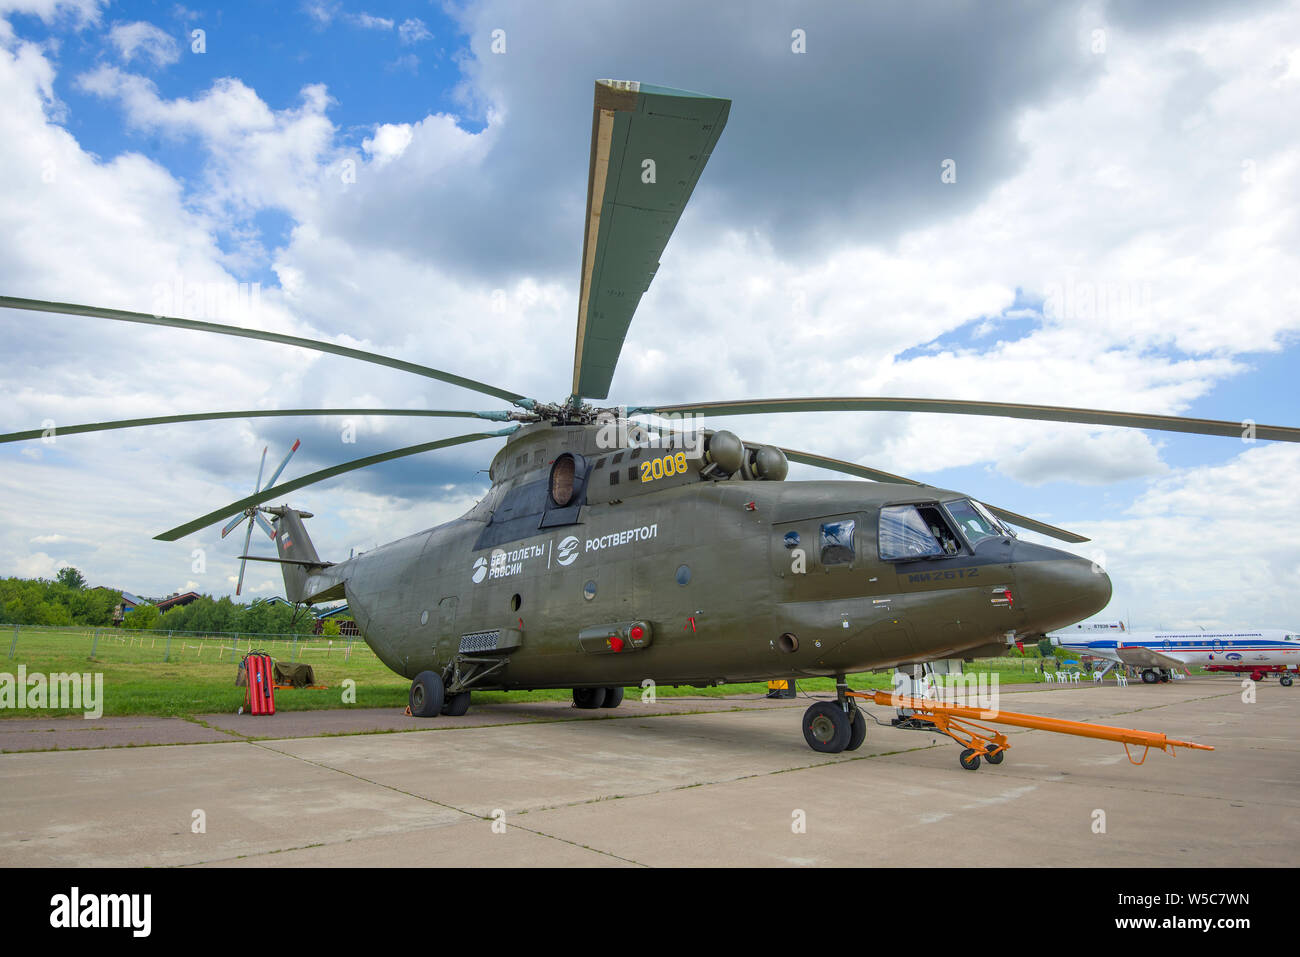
(826,727)
(857,731)
(613,698)
(426,695)
(1164,678)
(970,760)
(588,698)
(994,757)
(1286,681)
(456,705)
(1149,677)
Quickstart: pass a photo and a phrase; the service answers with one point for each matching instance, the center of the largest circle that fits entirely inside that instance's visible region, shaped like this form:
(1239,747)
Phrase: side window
(837,542)
(939,528)
(904,535)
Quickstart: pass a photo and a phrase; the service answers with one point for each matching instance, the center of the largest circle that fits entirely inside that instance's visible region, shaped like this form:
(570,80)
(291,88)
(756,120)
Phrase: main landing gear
(834,726)
(428,698)
(588,699)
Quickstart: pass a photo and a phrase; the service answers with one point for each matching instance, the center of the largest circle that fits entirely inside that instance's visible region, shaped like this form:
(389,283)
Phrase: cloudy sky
(1122,233)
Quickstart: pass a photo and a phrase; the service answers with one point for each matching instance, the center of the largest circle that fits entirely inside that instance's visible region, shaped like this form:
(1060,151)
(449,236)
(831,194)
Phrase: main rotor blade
(294,448)
(1024,521)
(649,145)
(260,469)
(852,468)
(96,312)
(1013,410)
(266,495)
(876,475)
(244,414)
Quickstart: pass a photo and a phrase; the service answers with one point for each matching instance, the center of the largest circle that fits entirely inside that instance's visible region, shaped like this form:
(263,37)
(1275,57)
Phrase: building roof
(175,601)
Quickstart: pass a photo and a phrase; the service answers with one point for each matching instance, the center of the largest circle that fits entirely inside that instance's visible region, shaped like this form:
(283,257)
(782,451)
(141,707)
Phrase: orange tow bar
(959,723)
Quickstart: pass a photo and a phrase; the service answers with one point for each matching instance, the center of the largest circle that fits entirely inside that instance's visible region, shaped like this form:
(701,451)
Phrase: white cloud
(368,22)
(389,142)
(1087,459)
(145,41)
(81,13)
(413,30)
(1209,546)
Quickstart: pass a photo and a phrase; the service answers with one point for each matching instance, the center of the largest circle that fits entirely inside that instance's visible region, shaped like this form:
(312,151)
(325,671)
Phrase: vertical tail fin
(294,545)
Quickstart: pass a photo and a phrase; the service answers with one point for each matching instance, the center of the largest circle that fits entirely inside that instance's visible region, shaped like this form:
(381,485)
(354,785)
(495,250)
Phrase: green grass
(199,677)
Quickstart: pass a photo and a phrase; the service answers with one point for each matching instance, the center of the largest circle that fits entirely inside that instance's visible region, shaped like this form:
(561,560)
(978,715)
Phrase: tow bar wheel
(826,727)
(970,759)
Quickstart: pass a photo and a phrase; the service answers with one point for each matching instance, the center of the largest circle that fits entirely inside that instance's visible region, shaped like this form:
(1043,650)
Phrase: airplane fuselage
(1195,648)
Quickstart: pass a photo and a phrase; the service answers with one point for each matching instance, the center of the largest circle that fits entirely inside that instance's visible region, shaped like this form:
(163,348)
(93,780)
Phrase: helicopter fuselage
(690,581)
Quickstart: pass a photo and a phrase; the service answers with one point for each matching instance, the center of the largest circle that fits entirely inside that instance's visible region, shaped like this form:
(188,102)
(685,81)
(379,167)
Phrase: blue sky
(821,254)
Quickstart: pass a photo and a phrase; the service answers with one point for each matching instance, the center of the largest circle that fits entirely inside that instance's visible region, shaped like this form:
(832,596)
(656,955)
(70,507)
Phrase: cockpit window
(904,534)
(975,525)
(837,542)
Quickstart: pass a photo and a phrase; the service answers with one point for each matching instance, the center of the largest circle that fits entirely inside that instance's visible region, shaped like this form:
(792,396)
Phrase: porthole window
(683,574)
(515,602)
(562,474)
(589,590)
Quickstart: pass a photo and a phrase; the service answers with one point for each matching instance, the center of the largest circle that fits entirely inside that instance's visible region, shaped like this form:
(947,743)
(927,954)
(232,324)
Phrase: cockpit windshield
(975,523)
(994,520)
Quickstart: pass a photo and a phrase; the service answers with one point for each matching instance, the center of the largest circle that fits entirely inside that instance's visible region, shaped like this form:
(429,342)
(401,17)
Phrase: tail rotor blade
(239,586)
(271,481)
(265,525)
(233,524)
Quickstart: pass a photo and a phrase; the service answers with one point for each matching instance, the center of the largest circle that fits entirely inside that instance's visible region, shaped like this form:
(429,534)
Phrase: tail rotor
(253,515)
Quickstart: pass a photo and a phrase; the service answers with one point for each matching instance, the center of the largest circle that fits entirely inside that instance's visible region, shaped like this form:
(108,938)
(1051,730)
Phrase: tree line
(66,600)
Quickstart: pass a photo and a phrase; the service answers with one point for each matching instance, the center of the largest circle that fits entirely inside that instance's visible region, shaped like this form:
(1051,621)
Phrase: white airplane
(1160,653)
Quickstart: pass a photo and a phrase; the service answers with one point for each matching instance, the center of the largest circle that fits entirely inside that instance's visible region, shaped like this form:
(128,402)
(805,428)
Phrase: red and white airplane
(1160,653)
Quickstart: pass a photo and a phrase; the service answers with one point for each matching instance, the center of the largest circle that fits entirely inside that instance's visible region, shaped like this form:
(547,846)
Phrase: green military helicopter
(609,554)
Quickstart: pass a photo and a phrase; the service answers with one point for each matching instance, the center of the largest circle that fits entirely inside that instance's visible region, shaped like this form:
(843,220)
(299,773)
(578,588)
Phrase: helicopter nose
(1058,588)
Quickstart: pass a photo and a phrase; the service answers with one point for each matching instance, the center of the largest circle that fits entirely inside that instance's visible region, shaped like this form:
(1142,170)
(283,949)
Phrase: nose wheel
(827,728)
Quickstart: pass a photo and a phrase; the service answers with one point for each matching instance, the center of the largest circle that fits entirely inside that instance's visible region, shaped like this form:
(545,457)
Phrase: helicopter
(608,553)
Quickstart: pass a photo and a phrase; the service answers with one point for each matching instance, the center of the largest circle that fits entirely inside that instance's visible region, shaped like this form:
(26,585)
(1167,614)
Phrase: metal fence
(167,646)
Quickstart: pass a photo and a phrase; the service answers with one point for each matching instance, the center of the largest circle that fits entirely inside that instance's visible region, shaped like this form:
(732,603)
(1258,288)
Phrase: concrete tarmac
(538,784)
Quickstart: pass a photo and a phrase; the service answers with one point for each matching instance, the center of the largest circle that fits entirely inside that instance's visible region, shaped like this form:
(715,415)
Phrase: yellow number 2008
(667,466)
